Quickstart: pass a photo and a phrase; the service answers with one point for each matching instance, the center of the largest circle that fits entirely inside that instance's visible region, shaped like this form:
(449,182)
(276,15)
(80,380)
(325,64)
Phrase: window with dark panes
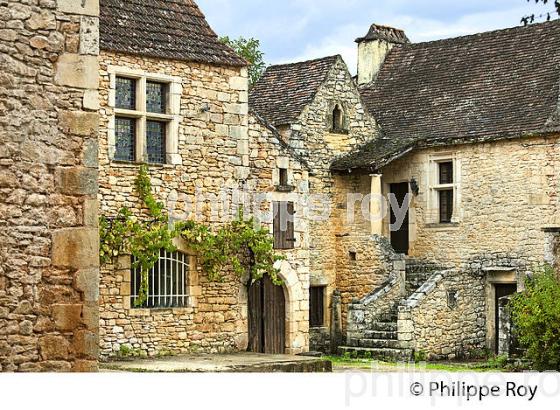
(317,306)
(125,93)
(283,226)
(156,97)
(155,133)
(125,139)
(283,177)
(446,196)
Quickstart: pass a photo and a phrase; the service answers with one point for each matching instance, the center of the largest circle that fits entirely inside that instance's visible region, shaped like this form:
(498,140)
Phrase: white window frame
(433,214)
(172,117)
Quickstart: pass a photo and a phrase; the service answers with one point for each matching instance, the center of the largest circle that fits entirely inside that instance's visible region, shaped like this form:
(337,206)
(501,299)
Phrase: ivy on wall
(241,245)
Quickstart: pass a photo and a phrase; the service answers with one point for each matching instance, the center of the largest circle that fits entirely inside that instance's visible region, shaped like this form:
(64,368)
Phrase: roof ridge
(485,33)
(297,63)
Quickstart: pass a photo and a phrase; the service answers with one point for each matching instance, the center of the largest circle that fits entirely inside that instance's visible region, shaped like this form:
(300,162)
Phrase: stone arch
(294,294)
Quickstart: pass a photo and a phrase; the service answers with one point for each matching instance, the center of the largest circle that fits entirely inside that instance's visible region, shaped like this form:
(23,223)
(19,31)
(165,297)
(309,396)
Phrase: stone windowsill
(151,312)
(129,164)
(285,188)
(338,131)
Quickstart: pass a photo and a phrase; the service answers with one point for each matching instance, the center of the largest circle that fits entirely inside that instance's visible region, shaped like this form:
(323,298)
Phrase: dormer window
(338,120)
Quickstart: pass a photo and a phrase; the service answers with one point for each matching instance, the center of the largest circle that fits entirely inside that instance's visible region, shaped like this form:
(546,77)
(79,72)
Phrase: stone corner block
(67,317)
(86,344)
(77,181)
(82,7)
(79,71)
(79,123)
(87,282)
(76,248)
(54,347)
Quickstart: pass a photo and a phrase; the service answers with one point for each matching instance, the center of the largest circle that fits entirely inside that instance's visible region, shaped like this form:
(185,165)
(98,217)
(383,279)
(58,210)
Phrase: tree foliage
(553,8)
(240,244)
(249,49)
(536,316)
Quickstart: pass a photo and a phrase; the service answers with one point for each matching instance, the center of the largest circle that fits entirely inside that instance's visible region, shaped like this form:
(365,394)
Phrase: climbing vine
(239,244)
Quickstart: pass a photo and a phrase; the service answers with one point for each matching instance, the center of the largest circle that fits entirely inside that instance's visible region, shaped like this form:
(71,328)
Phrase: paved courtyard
(238,363)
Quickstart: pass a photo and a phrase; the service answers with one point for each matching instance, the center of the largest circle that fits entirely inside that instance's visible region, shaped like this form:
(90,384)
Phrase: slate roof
(285,90)
(171,29)
(501,84)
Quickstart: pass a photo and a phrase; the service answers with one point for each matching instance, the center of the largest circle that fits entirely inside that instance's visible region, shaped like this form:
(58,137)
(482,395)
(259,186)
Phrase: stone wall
(267,154)
(48,185)
(222,154)
(311,137)
(445,318)
(507,194)
(212,146)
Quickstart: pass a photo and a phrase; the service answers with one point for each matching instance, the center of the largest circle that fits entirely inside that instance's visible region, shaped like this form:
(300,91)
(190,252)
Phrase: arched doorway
(267,317)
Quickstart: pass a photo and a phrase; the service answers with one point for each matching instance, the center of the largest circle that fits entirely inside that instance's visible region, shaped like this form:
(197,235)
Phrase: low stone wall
(445,318)
(366,311)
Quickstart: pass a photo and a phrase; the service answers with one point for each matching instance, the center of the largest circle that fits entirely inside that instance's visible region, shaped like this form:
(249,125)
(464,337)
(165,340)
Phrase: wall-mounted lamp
(414,187)
(205,107)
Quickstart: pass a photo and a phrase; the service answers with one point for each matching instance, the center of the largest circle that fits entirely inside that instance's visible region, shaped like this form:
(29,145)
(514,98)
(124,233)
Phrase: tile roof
(171,29)
(285,90)
(501,84)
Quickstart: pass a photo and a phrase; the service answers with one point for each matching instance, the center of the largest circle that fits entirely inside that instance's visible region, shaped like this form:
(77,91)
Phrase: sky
(299,30)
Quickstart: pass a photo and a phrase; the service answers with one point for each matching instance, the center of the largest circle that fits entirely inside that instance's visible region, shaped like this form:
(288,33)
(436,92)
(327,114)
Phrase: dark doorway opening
(400,239)
(267,317)
(501,290)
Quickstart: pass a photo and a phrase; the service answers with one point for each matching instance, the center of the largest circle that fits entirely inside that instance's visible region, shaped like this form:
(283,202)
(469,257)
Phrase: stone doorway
(501,282)
(400,240)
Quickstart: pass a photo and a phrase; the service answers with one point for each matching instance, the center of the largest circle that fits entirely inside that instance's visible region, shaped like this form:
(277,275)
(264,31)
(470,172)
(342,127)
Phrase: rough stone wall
(509,192)
(312,138)
(429,324)
(214,157)
(266,156)
(48,185)
(374,257)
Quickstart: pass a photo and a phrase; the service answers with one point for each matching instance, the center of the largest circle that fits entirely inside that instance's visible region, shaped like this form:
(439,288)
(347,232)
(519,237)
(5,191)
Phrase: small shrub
(420,356)
(498,362)
(536,317)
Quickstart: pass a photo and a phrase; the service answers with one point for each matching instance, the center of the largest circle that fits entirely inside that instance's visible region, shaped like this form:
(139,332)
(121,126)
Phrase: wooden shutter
(283,218)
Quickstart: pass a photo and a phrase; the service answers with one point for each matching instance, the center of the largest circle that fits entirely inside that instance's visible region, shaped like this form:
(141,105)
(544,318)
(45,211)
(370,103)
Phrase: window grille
(167,282)
(155,131)
(125,139)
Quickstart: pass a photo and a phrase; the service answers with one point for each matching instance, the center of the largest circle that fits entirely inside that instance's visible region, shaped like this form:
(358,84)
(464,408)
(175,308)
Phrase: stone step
(392,355)
(388,317)
(380,343)
(384,326)
(383,334)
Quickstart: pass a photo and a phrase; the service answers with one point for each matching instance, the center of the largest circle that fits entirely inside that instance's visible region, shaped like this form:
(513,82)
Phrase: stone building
(469,140)
(409,202)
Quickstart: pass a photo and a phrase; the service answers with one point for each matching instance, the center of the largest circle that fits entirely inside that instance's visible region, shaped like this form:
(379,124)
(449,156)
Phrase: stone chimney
(374,47)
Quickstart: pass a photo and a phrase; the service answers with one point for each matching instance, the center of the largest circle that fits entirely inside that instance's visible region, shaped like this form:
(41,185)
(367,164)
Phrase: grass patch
(492,365)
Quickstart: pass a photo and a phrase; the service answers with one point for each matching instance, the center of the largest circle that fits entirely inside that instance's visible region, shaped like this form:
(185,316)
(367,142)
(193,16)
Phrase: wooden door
(502,290)
(267,318)
(400,239)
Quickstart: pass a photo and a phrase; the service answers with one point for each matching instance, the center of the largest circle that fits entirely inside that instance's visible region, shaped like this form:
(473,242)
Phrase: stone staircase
(380,340)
